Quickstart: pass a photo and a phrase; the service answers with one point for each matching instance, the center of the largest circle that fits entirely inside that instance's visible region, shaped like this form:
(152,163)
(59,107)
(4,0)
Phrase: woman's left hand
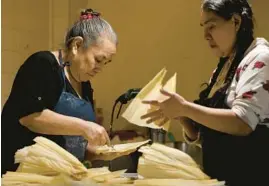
(171,108)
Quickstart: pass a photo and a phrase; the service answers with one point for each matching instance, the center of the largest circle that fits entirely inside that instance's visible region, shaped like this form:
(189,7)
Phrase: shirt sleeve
(252,91)
(37,85)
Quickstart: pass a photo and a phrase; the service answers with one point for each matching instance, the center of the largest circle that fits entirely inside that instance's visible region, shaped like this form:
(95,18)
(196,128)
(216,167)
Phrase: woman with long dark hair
(231,117)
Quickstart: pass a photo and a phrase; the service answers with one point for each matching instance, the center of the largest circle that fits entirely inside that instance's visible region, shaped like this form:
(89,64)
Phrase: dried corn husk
(160,161)
(151,91)
(47,158)
(177,182)
(120,148)
(19,178)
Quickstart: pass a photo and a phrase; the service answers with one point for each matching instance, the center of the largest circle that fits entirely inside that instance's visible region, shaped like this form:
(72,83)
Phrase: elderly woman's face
(91,61)
(219,33)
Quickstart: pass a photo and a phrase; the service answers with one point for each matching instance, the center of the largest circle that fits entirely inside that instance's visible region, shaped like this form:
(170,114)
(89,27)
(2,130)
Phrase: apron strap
(62,64)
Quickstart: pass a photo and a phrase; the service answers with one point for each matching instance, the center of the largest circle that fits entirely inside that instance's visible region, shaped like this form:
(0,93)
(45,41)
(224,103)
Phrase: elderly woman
(52,97)
(230,119)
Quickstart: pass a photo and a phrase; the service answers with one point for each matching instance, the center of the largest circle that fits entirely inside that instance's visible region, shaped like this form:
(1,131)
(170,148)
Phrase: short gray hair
(90,29)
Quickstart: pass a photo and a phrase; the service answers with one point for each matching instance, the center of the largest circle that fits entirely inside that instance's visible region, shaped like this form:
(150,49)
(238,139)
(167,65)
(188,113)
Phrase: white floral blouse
(248,94)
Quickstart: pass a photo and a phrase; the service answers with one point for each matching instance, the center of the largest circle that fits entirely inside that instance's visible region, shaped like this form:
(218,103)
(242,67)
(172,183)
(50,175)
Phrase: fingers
(107,139)
(162,120)
(166,93)
(93,140)
(152,114)
(166,119)
(103,137)
(151,102)
(98,136)
(155,118)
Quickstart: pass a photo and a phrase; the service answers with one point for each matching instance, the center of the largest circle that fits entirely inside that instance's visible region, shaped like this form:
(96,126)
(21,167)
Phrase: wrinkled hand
(96,134)
(171,108)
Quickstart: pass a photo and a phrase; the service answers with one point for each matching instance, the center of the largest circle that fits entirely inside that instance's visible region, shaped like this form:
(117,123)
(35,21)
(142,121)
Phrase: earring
(236,23)
(68,64)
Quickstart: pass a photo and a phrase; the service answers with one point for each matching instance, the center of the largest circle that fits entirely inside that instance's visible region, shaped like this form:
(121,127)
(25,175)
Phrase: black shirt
(37,86)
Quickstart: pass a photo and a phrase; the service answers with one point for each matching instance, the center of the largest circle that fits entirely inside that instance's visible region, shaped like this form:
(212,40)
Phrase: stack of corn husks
(103,175)
(27,179)
(47,158)
(162,165)
(46,163)
(177,182)
(95,177)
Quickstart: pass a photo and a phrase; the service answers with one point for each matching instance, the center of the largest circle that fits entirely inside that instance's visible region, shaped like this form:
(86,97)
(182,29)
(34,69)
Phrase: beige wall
(261,14)
(39,25)
(63,14)
(22,29)
(153,34)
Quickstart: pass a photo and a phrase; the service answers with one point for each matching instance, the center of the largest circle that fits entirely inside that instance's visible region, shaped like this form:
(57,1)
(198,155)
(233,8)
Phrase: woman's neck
(70,70)
(65,55)
(232,55)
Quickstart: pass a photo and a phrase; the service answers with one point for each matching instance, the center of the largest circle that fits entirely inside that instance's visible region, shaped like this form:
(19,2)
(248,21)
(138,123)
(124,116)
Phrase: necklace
(71,75)
(68,70)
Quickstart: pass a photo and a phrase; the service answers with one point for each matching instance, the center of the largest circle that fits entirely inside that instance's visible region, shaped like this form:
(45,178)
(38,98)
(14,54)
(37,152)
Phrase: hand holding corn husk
(172,107)
(151,91)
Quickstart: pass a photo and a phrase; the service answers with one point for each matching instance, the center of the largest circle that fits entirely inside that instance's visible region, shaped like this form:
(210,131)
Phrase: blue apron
(70,105)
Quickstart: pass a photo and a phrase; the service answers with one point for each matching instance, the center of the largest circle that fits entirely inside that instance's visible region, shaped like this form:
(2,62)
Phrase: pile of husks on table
(46,164)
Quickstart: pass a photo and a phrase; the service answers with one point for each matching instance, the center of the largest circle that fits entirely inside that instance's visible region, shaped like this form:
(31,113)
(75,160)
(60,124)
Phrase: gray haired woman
(52,96)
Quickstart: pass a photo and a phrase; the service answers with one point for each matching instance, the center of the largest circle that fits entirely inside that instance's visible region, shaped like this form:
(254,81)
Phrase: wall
(21,31)
(261,14)
(152,34)
(156,34)
(63,14)
(39,25)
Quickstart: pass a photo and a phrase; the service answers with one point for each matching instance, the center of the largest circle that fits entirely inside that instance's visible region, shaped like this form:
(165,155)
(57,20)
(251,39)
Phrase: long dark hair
(226,9)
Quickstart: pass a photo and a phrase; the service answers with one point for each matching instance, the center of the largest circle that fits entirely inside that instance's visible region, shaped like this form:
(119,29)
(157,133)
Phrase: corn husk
(120,148)
(160,161)
(47,158)
(150,92)
(177,182)
(19,178)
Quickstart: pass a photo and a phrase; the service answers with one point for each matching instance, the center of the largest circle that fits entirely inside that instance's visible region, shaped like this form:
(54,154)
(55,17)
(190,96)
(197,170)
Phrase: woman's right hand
(95,134)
